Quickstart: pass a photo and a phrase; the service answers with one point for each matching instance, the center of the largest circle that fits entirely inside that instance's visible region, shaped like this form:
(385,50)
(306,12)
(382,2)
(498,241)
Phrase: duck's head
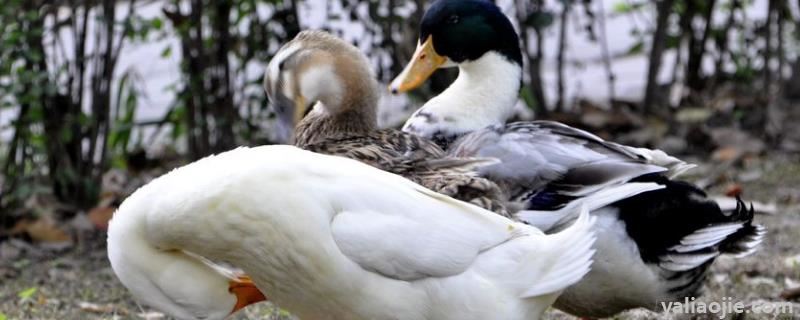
(478,38)
(457,32)
(321,74)
(178,283)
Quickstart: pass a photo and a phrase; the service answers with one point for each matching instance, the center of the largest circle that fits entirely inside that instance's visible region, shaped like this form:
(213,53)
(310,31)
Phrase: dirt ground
(78,283)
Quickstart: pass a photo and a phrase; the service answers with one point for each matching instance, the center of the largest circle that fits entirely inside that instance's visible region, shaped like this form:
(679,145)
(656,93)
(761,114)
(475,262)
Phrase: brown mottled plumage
(343,120)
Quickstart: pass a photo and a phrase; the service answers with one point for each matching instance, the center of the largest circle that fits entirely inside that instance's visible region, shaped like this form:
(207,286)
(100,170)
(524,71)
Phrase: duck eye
(453,19)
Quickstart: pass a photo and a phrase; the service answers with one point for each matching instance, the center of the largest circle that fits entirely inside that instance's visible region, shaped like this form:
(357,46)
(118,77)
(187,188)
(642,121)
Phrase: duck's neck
(484,94)
(161,275)
(320,124)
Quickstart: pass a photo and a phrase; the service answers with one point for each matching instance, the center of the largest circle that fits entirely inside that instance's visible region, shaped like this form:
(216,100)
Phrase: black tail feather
(747,239)
(679,226)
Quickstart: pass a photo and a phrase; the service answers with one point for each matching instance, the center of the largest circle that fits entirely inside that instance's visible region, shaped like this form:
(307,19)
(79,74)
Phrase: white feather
(549,220)
(483,94)
(753,242)
(685,261)
(657,157)
(706,237)
(575,245)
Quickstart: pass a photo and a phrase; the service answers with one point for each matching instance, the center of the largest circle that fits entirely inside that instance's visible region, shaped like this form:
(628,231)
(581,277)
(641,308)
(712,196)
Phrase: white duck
(656,236)
(349,243)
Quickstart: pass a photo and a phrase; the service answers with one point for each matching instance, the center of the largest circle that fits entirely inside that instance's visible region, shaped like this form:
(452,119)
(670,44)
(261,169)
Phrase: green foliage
(526,94)
(123,118)
(60,135)
(138,28)
(540,19)
(167,52)
(27,293)
(636,48)
(744,72)
(625,7)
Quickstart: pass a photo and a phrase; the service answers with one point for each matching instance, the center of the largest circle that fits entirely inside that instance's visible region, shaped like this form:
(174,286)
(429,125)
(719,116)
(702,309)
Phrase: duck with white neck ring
(656,237)
(490,69)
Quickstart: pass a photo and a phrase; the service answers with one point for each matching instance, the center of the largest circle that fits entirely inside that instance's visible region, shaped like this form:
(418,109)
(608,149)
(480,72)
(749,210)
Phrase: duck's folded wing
(568,162)
(421,161)
(410,236)
(654,157)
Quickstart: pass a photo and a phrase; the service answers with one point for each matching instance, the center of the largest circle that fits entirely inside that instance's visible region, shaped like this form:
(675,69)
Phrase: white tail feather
(576,247)
(549,220)
(706,237)
(684,261)
(755,241)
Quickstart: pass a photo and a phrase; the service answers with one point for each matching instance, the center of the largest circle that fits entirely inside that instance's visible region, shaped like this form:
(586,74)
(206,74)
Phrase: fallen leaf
(20,227)
(95,308)
(45,230)
(733,190)
(100,216)
(725,154)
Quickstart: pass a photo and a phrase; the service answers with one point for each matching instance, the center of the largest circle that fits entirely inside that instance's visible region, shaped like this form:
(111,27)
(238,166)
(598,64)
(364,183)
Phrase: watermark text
(726,307)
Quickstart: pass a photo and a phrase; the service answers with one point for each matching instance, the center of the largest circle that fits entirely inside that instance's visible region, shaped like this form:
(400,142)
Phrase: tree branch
(664,9)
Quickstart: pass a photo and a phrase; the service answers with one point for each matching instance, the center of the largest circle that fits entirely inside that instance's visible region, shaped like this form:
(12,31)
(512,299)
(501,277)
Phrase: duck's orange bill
(245,291)
(424,62)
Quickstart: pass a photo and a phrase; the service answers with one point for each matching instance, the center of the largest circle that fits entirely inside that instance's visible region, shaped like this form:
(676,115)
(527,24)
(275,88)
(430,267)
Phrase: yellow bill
(300,107)
(424,62)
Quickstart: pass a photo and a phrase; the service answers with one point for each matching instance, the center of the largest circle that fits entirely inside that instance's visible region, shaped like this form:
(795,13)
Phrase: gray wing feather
(536,154)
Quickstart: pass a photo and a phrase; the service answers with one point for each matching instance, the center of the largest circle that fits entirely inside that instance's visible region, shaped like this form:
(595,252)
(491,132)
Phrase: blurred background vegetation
(69,130)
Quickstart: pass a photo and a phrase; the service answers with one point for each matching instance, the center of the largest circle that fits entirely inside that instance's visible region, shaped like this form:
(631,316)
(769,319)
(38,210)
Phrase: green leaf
(526,94)
(27,293)
(637,48)
(622,7)
(540,19)
(625,7)
(166,52)
(3,316)
(673,41)
(156,23)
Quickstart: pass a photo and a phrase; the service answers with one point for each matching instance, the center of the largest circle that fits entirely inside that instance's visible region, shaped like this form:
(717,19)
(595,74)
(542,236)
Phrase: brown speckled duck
(323,88)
